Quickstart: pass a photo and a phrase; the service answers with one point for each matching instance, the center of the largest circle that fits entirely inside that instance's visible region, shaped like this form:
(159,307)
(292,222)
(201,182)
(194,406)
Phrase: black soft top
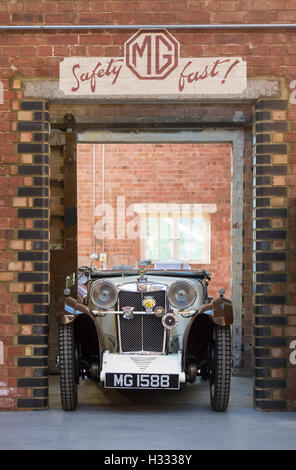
(194,274)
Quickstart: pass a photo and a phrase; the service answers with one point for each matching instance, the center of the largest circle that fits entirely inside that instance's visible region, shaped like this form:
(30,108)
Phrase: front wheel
(221,366)
(68,367)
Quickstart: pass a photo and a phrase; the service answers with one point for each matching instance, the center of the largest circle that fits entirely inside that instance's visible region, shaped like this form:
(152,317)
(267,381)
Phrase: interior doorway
(183,146)
(118,171)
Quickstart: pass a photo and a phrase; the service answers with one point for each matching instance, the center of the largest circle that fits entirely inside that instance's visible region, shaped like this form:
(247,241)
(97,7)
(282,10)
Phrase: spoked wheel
(68,362)
(220,376)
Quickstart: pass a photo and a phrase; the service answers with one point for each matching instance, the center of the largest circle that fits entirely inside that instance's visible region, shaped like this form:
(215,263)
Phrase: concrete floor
(136,420)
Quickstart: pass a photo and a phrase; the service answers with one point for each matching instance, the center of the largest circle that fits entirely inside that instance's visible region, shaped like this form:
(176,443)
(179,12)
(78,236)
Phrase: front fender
(68,309)
(218,312)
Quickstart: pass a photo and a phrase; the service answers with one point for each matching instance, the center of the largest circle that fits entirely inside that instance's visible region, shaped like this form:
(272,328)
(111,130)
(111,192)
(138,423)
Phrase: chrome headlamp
(103,294)
(181,295)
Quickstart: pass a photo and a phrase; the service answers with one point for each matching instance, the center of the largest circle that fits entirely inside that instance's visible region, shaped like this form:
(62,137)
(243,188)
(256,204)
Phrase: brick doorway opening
(219,152)
(207,168)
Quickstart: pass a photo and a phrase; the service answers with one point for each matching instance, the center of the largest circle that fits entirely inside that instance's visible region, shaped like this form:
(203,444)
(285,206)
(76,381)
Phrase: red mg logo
(152,54)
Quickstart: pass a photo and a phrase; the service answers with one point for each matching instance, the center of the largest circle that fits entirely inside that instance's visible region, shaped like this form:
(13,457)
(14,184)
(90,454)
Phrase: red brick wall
(158,173)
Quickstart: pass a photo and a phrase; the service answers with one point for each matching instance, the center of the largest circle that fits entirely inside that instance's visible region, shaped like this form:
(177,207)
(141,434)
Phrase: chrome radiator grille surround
(143,333)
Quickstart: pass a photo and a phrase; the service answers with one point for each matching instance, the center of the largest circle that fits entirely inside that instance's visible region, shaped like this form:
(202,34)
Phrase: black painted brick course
(278,126)
(270,320)
(272,342)
(33,256)
(41,159)
(263,116)
(32,361)
(41,181)
(263,138)
(41,309)
(270,299)
(264,373)
(32,191)
(271,191)
(271,405)
(271,104)
(33,126)
(32,277)
(274,362)
(33,234)
(43,392)
(262,223)
(40,351)
(262,246)
(34,105)
(262,394)
(262,288)
(270,383)
(32,298)
(33,382)
(262,267)
(262,352)
(262,180)
(262,310)
(41,266)
(40,330)
(274,277)
(41,224)
(41,116)
(271,234)
(41,137)
(32,213)
(30,339)
(262,202)
(34,170)
(32,319)
(271,170)
(271,256)
(31,403)
(28,147)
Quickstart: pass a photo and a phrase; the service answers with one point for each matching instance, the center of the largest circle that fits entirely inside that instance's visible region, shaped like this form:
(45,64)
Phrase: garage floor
(135,420)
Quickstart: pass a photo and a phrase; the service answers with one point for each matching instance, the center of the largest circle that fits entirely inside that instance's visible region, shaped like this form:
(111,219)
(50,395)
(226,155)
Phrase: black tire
(68,367)
(220,376)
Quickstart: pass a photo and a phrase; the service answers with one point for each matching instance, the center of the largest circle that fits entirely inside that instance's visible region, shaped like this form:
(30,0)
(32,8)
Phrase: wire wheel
(68,367)
(220,376)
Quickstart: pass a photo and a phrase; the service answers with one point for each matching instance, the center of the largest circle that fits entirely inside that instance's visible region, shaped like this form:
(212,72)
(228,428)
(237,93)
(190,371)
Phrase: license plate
(143,381)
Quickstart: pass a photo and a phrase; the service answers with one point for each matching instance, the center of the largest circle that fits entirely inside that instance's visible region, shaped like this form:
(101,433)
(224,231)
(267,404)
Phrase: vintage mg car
(143,327)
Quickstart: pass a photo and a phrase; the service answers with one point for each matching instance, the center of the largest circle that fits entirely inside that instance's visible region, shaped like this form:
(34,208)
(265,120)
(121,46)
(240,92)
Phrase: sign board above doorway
(152,65)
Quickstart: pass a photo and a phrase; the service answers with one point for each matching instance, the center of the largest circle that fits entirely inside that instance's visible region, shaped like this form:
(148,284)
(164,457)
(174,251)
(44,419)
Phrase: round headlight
(181,294)
(103,294)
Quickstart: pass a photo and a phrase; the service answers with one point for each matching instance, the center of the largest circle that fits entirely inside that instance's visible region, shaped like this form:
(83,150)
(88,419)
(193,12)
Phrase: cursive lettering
(211,70)
(111,69)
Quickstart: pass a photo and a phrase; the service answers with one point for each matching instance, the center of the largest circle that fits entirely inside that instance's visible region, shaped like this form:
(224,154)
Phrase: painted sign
(152,65)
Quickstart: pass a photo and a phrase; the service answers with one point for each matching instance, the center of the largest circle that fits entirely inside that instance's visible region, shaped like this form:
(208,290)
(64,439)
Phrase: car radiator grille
(142,333)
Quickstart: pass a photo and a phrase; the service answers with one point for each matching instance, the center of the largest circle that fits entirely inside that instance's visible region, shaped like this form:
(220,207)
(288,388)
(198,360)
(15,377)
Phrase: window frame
(204,211)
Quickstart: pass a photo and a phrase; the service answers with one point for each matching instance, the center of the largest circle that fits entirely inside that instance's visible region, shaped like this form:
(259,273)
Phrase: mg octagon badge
(152,55)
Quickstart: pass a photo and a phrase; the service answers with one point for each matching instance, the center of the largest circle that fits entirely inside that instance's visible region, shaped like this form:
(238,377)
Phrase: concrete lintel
(49,89)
